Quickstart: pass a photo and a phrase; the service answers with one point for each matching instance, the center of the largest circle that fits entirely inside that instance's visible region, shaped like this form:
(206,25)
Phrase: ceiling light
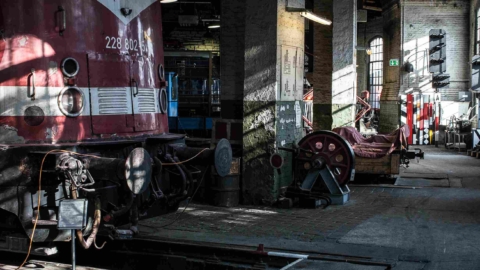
(315,18)
(214,26)
(167,1)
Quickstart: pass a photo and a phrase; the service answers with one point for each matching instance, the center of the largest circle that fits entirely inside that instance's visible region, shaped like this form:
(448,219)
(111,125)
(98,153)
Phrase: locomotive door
(144,103)
(110,93)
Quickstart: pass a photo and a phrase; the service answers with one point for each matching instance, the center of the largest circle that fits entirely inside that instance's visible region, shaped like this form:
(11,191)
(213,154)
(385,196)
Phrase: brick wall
(420,18)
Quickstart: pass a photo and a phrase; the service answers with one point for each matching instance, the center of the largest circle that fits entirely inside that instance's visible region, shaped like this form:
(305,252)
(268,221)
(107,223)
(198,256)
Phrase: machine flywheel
(329,147)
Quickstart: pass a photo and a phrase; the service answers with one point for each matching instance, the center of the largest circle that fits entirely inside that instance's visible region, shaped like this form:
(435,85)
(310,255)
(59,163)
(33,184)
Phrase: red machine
(83,115)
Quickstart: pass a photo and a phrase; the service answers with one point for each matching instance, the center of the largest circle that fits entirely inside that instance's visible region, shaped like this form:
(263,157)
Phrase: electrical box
(362,16)
(72,214)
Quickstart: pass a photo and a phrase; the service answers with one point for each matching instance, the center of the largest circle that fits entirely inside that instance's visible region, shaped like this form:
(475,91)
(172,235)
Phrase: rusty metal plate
(223,157)
(138,170)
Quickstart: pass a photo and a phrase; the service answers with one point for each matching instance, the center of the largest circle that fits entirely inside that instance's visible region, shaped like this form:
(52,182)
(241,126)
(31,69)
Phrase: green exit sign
(394,62)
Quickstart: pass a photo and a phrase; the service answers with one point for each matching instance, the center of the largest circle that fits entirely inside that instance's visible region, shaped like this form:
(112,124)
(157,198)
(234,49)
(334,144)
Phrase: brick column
(389,105)
(344,62)
(232,50)
(321,76)
(334,75)
(273,89)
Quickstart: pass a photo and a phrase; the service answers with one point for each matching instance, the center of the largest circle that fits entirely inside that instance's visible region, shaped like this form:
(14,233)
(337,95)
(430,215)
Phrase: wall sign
(394,62)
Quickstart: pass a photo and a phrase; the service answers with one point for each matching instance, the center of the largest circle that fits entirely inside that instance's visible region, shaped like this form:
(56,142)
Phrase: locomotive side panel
(36,102)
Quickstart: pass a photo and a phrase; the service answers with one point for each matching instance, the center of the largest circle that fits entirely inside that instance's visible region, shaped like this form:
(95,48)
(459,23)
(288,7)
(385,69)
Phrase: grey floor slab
(422,182)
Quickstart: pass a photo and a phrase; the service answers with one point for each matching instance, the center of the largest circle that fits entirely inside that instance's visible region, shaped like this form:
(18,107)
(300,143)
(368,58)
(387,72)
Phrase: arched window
(375,71)
(477,33)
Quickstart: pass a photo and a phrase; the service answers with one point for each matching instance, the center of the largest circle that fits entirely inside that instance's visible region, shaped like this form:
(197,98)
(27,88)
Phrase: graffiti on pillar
(298,115)
(291,72)
(288,122)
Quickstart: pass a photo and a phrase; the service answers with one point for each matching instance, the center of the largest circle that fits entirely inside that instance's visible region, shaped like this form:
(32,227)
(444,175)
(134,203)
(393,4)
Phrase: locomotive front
(83,115)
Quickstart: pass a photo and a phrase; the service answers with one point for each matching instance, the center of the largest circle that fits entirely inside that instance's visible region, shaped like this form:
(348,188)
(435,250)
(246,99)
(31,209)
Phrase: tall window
(477,36)
(375,72)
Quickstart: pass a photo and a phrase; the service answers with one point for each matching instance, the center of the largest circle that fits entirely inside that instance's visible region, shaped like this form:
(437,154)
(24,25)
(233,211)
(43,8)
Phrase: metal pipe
(183,2)
(292,264)
(184,152)
(287,255)
(73,250)
(112,169)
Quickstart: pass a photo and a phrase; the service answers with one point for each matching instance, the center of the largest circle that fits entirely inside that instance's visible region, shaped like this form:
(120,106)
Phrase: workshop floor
(417,226)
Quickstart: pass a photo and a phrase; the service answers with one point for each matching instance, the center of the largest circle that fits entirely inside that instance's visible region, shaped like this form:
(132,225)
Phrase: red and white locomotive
(83,105)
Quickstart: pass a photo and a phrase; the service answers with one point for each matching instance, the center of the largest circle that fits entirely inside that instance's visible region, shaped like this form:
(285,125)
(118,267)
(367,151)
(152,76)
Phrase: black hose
(134,216)
(124,209)
(182,174)
(188,174)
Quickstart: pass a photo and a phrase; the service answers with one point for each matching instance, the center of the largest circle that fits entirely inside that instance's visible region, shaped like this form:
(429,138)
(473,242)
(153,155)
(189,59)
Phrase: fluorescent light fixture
(214,26)
(315,18)
(167,1)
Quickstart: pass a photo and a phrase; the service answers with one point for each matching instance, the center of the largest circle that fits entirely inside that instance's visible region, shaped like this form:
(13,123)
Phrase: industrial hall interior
(239,134)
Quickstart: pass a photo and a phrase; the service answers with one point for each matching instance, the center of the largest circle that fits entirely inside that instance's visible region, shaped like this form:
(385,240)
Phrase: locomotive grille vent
(112,101)
(146,100)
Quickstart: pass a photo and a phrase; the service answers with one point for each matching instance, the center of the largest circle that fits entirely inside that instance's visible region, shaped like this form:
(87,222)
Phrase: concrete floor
(419,227)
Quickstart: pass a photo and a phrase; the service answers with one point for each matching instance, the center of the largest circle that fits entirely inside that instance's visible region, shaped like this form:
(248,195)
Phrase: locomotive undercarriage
(124,181)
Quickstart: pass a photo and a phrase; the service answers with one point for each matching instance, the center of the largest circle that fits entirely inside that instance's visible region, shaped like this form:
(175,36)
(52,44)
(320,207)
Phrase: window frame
(375,63)
(477,33)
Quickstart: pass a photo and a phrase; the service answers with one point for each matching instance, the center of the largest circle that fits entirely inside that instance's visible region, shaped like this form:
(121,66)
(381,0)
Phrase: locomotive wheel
(333,148)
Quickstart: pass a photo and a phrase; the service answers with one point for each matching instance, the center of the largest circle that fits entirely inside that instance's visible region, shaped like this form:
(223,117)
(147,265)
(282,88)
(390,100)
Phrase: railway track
(171,254)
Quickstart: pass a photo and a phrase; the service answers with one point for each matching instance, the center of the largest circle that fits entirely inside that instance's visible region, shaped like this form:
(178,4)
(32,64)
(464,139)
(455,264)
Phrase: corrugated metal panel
(146,100)
(112,101)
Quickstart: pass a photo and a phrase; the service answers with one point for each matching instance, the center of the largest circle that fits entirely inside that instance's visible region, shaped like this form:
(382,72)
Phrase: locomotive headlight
(71,101)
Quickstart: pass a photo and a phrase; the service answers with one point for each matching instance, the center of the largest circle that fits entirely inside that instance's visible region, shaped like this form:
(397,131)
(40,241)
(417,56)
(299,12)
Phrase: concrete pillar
(344,62)
(273,90)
